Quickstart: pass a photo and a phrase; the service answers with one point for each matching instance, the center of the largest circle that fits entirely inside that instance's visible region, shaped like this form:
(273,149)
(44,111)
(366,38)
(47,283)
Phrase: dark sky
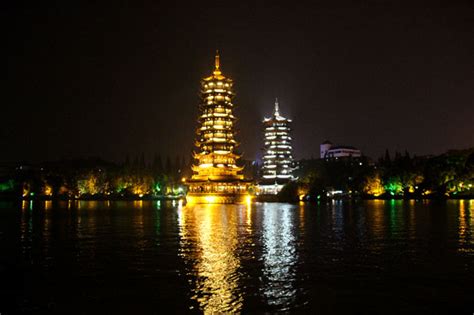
(110,81)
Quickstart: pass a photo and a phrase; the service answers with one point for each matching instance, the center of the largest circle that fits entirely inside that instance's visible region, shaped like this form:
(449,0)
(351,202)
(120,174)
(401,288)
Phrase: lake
(154,256)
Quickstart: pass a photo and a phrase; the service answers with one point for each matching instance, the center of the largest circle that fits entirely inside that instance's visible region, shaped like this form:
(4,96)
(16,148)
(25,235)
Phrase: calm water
(149,256)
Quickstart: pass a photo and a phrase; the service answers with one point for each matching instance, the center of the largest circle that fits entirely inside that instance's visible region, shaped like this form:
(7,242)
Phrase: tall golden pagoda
(216,176)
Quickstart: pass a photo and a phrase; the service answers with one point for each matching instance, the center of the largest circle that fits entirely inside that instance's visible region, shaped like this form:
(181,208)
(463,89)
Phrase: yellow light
(26,190)
(210,199)
(248,199)
(48,190)
(183,179)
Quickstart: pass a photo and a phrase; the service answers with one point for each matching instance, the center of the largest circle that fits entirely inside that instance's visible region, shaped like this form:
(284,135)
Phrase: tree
(373,184)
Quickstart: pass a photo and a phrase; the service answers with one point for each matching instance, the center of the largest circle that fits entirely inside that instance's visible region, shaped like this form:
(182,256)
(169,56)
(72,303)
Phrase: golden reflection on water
(25,205)
(208,242)
(248,215)
(48,205)
(88,204)
(138,204)
(26,226)
(221,243)
(376,218)
(301,212)
(465,225)
(462,221)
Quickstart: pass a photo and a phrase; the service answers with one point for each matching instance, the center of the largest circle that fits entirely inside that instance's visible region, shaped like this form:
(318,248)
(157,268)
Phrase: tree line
(449,175)
(97,178)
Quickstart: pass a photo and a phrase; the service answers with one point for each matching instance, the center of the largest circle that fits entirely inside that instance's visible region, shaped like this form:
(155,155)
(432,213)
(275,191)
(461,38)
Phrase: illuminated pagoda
(216,177)
(277,159)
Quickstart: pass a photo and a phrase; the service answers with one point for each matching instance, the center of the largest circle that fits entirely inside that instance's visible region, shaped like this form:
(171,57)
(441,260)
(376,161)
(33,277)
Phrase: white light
(269,176)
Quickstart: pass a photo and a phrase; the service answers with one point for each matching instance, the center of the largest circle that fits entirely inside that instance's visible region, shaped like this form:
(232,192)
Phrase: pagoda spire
(217,70)
(277,113)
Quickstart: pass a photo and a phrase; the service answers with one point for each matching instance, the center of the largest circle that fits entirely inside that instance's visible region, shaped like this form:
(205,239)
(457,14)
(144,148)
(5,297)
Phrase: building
(328,151)
(277,166)
(216,177)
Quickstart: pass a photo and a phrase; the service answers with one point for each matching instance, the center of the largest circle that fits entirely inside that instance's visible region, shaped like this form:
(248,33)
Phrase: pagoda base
(200,198)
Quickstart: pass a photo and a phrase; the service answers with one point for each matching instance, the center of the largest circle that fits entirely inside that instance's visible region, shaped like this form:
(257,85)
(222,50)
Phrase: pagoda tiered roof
(216,131)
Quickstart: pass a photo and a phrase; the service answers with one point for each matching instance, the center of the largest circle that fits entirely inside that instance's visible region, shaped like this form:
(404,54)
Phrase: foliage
(373,185)
(96,179)
(7,186)
(447,175)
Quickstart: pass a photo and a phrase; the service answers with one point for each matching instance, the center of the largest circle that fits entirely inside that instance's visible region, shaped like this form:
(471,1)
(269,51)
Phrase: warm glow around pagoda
(216,176)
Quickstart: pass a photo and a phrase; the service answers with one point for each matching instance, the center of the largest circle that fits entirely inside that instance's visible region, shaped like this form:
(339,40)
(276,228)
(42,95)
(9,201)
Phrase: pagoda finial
(277,113)
(217,70)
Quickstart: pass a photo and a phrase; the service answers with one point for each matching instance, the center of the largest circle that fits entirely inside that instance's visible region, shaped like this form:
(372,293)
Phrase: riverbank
(258,198)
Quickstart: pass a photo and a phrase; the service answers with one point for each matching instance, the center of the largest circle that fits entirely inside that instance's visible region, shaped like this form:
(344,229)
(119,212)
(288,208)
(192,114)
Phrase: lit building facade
(330,151)
(216,177)
(278,153)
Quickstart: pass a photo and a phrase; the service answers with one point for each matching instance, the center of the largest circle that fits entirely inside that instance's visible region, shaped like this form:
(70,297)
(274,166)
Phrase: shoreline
(259,198)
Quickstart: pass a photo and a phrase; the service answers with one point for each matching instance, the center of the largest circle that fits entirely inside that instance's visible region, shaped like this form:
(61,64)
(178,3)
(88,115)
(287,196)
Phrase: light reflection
(465,226)
(279,255)
(138,204)
(337,214)
(208,244)
(46,235)
(218,252)
(48,205)
(88,204)
(377,218)
(248,215)
(393,216)
(87,228)
(412,220)
(138,225)
(396,217)
(471,209)
(301,212)
(25,205)
(462,221)
(26,228)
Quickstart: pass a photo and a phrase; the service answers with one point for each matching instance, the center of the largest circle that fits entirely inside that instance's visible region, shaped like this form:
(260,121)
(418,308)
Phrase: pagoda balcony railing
(218,189)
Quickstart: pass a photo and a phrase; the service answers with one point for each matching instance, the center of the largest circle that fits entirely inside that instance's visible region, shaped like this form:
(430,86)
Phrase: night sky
(111,81)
